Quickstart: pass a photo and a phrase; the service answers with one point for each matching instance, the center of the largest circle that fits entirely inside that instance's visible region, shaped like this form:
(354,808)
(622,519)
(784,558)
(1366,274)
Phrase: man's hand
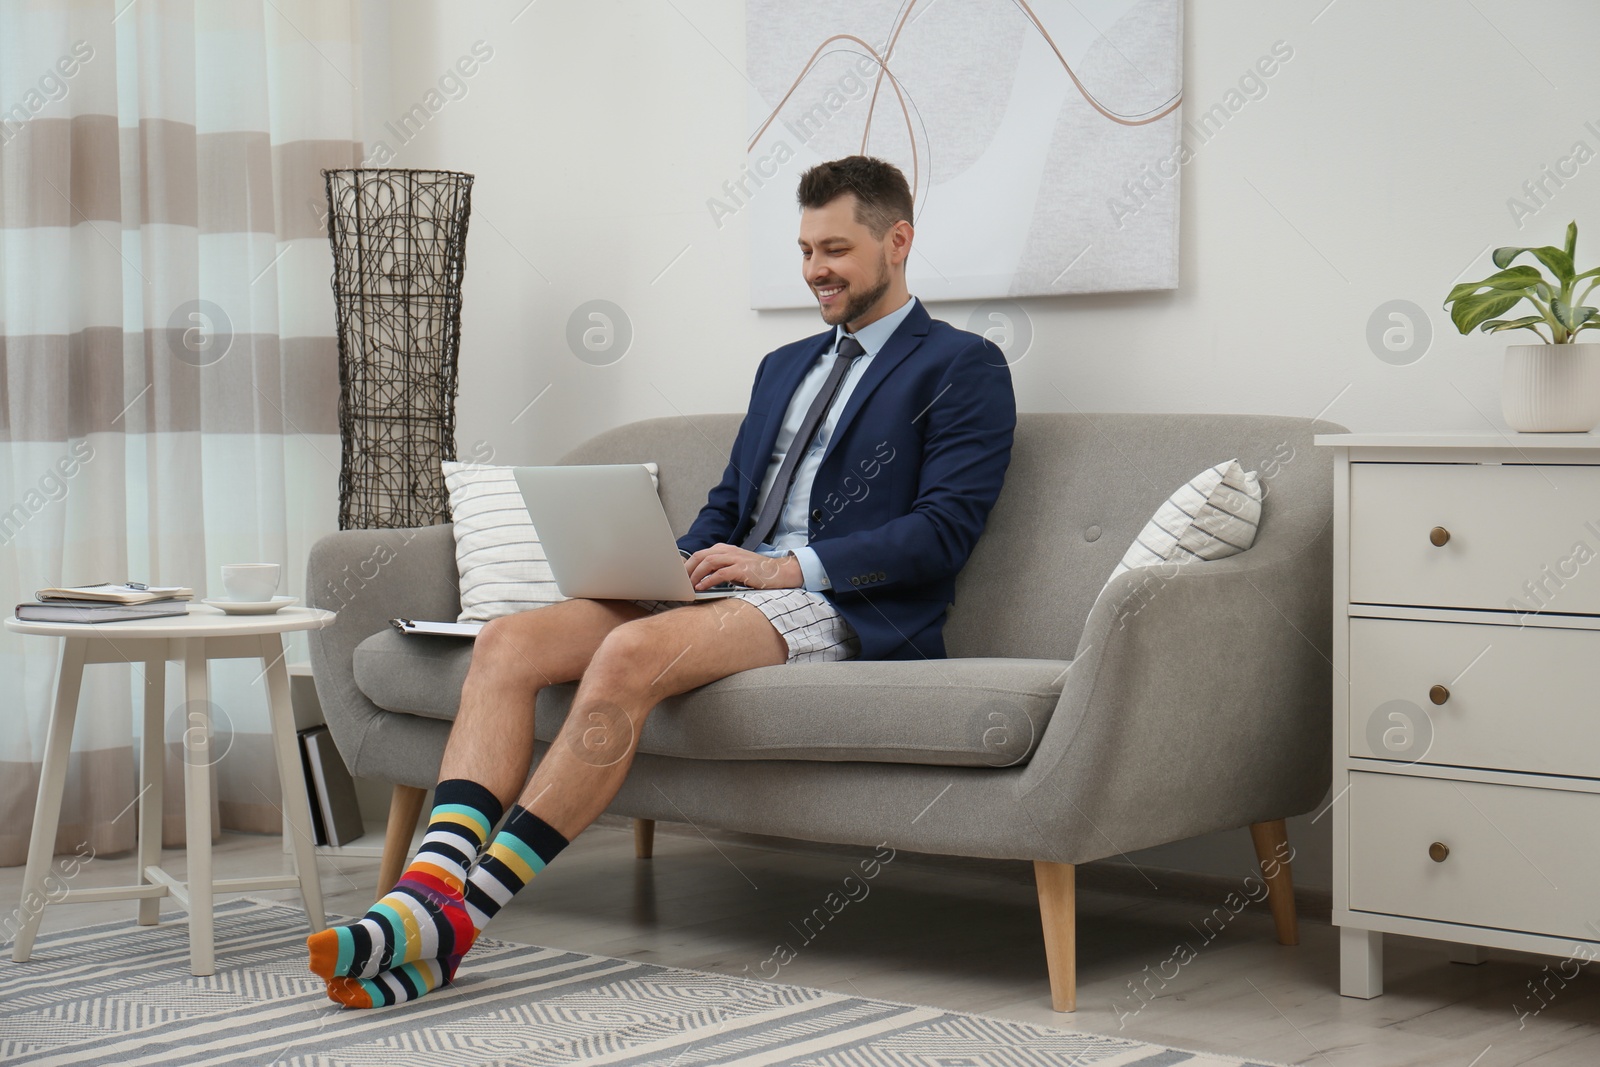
(729,563)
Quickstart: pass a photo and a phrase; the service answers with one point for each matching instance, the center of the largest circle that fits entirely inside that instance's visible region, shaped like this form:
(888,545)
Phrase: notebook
(117,593)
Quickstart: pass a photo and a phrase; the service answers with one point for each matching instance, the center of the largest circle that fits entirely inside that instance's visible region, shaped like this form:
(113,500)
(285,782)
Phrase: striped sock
(397,986)
(424,917)
(522,848)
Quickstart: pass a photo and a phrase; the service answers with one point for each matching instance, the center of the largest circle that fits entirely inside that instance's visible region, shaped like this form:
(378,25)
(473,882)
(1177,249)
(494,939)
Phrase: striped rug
(120,993)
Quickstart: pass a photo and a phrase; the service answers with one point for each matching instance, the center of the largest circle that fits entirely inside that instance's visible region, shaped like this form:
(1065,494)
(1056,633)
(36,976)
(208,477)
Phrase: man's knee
(499,635)
(506,643)
(632,654)
(628,643)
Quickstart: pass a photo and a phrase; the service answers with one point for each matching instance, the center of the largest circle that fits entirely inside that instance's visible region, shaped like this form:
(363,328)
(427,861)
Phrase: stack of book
(107,602)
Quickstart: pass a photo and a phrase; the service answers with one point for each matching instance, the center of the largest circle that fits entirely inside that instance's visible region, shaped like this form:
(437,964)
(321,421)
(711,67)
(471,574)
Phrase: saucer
(251,607)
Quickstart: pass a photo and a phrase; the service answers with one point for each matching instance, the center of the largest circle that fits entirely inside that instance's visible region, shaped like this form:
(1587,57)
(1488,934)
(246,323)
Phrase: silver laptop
(606,535)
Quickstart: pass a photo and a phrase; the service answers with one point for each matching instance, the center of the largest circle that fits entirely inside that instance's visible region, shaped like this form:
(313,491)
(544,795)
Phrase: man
(859,481)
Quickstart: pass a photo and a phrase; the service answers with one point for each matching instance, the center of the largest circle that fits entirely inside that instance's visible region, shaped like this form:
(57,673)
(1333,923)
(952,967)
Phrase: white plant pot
(1551,388)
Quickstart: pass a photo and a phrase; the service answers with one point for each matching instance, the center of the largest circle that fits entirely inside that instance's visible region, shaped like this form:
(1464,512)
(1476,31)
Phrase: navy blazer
(905,485)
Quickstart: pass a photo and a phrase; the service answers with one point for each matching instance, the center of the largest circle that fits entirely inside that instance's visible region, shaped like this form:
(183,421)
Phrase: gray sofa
(1066,726)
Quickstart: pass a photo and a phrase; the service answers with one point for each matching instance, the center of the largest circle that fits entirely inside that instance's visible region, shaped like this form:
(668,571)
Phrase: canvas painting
(1041,138)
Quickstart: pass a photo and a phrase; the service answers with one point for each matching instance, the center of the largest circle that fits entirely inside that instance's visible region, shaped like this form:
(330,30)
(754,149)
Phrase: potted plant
(1553,387)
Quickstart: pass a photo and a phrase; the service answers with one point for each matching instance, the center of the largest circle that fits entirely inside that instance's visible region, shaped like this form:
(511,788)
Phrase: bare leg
(514,657)
(637,665)
(420,926)
(627,665)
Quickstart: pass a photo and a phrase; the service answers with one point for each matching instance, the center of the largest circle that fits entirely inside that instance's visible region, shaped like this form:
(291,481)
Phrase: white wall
(1377,166)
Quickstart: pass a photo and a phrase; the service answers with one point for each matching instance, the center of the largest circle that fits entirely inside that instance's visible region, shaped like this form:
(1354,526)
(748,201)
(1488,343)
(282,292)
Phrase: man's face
(845,266)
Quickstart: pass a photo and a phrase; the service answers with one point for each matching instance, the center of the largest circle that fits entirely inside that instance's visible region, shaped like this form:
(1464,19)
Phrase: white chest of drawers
(1466,651)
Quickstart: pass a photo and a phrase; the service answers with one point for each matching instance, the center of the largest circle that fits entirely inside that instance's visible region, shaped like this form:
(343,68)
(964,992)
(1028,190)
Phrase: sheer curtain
(168,371)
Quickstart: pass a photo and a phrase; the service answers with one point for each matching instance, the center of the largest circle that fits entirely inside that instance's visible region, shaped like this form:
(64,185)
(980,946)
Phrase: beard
(858,304)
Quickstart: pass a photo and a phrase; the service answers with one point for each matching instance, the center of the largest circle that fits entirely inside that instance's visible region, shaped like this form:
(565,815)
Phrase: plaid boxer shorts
(812,628)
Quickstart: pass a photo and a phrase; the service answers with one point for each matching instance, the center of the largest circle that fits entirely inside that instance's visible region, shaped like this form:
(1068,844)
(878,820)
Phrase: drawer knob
(1439,536)
(1438,852)
(1439,694)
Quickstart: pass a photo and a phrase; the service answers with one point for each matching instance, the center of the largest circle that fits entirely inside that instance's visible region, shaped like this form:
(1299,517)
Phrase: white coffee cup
(250,582)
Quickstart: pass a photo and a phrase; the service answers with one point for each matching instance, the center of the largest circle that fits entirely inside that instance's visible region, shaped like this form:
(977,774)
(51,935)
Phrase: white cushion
(498,555)
(1215,515)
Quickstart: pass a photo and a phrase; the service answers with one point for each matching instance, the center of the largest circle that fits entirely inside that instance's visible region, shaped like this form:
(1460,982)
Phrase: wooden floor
(960,935)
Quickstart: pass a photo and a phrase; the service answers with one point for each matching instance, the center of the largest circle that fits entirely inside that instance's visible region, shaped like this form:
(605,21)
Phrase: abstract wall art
(1041,137)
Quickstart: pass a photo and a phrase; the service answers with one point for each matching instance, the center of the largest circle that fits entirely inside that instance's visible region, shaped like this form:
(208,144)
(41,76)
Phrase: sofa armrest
(1199,700)
(370,577)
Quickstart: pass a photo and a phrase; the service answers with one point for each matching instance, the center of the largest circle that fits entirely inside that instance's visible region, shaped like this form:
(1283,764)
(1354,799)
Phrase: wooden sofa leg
(1273,853)
(644,838)
(405,809)
(1058,914)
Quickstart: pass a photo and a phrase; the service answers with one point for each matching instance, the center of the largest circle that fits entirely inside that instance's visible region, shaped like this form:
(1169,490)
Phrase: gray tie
(849,348)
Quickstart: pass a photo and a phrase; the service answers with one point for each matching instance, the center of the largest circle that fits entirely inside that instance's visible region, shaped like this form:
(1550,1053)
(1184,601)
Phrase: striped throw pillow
(498,556)
(1215,515)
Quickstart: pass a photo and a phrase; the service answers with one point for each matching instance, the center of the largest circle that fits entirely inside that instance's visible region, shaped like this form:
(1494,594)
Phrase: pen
(131,584)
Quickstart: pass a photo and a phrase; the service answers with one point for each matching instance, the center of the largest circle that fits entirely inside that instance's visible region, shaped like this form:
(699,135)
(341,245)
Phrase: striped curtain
(168,370)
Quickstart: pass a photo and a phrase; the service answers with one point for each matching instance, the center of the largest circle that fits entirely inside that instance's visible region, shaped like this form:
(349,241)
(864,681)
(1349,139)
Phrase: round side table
(204,633)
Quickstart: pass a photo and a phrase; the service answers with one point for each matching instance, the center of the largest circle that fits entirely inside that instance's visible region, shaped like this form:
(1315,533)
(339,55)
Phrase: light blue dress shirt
(791,532)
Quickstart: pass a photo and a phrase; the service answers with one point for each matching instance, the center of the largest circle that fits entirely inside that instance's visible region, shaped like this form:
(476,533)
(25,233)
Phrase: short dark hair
(882,196)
